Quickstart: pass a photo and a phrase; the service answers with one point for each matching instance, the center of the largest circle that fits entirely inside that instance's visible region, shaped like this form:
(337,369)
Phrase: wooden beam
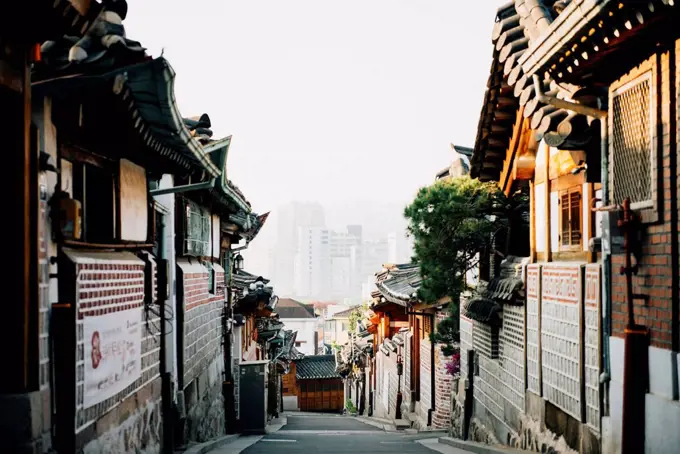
(532,222)
(546,226)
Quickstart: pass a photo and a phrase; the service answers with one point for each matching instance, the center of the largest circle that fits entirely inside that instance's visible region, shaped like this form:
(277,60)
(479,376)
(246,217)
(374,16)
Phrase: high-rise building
(399,248)
(312,263)
(291,218)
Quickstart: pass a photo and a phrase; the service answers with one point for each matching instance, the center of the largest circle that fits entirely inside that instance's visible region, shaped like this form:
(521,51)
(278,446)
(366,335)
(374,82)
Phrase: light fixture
(238,262)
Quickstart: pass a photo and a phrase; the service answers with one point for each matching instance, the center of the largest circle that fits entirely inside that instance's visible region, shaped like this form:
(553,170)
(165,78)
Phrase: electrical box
(612,236)
(253,397)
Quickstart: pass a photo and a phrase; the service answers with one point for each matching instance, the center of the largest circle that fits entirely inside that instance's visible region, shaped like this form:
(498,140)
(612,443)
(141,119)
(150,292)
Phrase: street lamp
(238,262)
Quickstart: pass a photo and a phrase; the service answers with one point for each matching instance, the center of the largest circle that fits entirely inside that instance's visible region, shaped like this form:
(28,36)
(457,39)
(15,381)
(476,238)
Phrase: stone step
(401,424)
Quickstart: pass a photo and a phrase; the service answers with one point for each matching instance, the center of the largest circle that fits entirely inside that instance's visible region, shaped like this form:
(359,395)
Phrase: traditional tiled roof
(580,45)
(483,310)
(290,308)
(399,284)
(316,368)
(31,21)
(240,280)
(344,314)
(519,25)
(460,165)
(105,46)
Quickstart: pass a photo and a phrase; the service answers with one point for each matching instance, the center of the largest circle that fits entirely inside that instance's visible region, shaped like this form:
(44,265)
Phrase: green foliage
(349,405)
(356,315)
(452,223)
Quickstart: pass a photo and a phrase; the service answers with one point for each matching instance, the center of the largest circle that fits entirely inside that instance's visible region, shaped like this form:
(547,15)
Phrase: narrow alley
(311,433)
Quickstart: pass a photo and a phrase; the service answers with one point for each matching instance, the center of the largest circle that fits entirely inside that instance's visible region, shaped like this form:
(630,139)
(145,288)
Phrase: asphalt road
(327,434)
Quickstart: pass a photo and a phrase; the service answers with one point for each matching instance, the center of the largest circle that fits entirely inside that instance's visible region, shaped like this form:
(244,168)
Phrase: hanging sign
(113,345)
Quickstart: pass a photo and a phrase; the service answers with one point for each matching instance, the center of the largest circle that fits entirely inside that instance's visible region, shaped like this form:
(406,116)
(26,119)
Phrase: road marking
(336,432)
(272,440)
(394,442)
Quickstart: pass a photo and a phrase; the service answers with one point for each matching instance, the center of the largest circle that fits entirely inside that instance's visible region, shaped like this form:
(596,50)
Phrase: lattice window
(632,142)
(570,219)
(197,230)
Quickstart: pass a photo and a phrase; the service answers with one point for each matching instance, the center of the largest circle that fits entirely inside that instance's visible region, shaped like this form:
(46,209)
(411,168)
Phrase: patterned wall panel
(487,390)
(560,336)
(592,345)
(465,343)
(512,355)
(533,327)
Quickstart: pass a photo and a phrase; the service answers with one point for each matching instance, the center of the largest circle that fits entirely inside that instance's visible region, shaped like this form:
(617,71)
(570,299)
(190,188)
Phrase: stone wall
(205,404)
(108,283)
(133,426)
(203,359)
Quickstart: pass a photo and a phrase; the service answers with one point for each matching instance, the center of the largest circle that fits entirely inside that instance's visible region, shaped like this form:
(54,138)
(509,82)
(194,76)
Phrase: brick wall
(444,387)
(677,181)
(202,328)
(108,283)
(441,417)
(655,277)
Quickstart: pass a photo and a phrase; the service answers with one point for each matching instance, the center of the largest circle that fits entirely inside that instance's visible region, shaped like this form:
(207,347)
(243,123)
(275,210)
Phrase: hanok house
(580,112)
(259,336)
(25,386)
(312,384)
(212,218)
(108,128)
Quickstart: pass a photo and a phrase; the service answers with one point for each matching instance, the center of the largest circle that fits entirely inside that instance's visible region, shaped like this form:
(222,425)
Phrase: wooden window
(196,230)
(113,196)
(570,221)
(95,188)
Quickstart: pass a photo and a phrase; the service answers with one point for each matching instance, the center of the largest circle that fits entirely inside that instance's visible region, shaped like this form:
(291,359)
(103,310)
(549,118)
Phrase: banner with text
(113,344)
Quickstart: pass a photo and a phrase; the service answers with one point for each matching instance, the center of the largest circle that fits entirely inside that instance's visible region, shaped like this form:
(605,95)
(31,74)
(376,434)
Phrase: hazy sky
(331,101)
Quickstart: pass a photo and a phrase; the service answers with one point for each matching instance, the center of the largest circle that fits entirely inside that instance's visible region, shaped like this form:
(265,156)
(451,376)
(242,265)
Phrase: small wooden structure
(316,384)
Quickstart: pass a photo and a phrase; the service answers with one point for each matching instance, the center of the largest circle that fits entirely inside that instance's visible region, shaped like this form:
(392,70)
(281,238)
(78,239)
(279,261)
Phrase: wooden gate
(321,395)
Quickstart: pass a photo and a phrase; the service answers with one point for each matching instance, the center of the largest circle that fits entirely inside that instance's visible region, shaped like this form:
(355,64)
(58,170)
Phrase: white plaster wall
(306,327)
(290,403)
(539,206)
(662,409)
(168,202)
(554,222)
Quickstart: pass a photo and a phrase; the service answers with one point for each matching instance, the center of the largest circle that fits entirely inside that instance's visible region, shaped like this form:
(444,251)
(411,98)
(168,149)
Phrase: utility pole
(635,372)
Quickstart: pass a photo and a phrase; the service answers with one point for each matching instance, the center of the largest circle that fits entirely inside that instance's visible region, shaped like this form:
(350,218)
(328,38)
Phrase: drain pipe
(600,115)
(185,188)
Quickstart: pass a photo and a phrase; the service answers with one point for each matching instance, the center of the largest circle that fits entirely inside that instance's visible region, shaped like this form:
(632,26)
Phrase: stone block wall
(133,426)
(203,358)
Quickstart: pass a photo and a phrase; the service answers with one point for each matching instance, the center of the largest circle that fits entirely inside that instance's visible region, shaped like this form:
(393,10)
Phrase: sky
(350,103)
(327,100)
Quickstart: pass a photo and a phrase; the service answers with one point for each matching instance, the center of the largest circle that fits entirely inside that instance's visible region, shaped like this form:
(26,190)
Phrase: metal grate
(632,141)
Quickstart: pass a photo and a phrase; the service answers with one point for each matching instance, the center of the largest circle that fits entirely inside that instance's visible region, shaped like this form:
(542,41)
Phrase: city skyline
(353,256)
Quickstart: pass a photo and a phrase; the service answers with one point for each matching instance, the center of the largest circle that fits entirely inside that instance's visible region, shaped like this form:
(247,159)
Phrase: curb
(203,448)
(478,448)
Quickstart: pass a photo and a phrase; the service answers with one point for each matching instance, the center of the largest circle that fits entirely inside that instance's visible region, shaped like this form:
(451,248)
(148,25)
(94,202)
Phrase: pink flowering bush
(453,366)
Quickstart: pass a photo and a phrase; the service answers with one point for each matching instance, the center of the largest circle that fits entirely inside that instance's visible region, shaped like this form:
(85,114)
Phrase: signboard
(113,346)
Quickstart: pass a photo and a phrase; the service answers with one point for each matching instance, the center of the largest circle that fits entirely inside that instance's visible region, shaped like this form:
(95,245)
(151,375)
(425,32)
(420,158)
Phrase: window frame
(571,247)
(648,69)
